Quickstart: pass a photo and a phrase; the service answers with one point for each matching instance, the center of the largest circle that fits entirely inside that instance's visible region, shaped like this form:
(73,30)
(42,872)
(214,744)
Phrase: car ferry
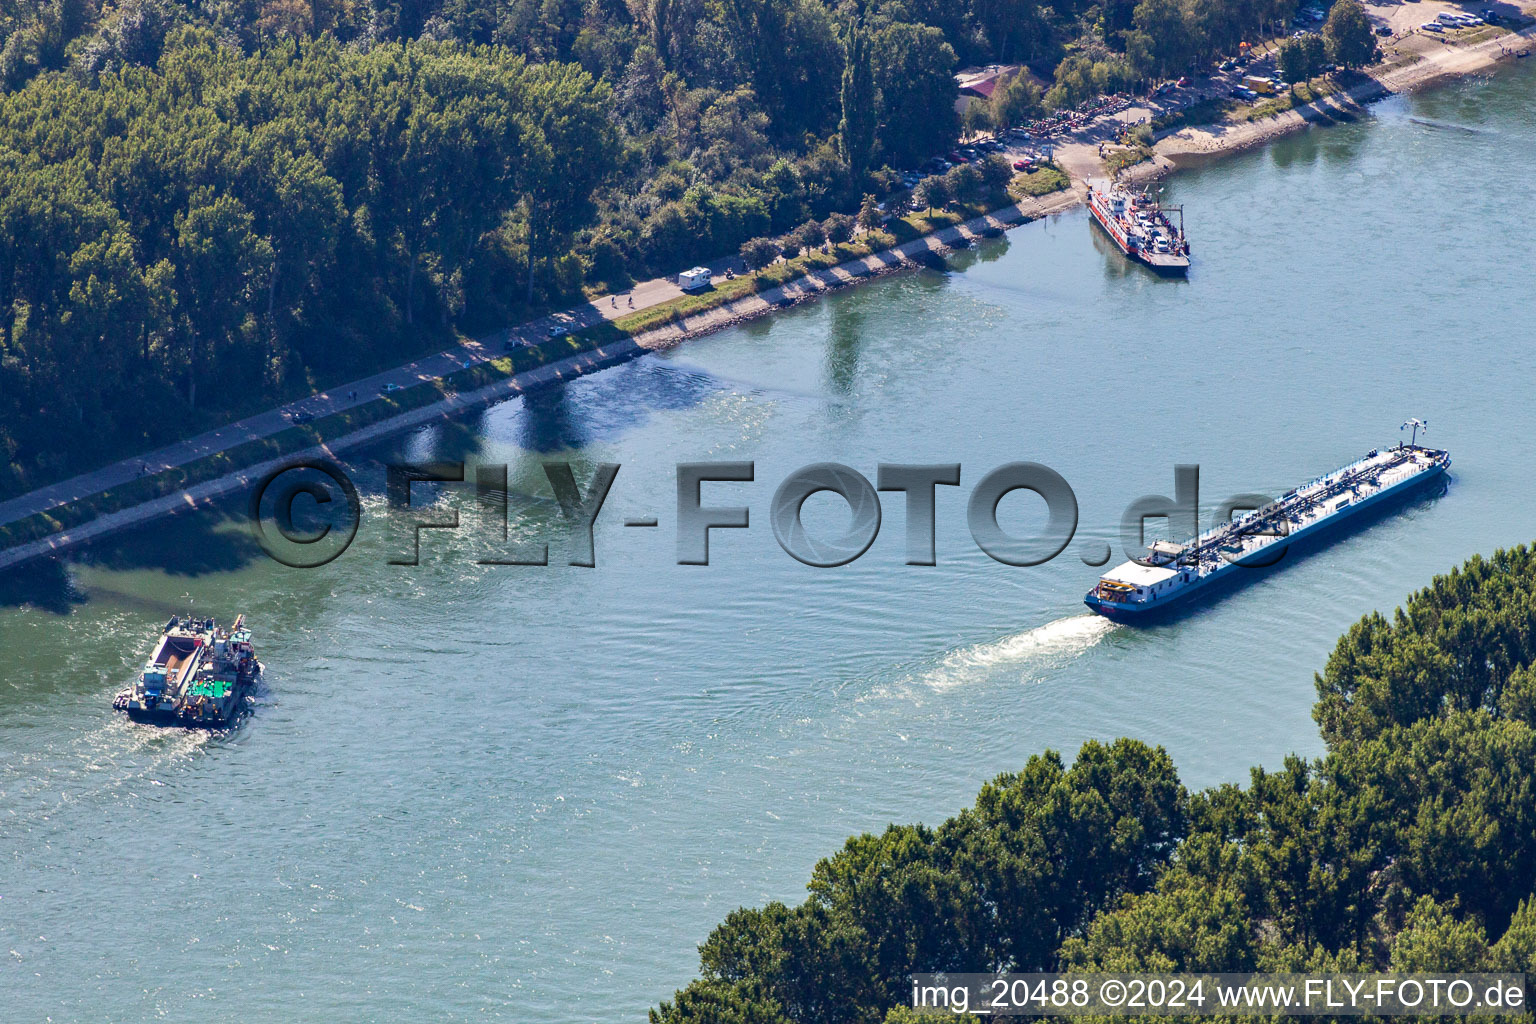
(1141,227)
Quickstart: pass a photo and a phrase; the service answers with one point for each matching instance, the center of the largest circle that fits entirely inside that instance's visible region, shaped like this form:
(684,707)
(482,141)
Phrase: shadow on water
(1299,150)
(550,421)
(210,540)
(609,404)
(986,250)
(459,440)
(843,345)
(1117,265)
(1305,148)
(45,584)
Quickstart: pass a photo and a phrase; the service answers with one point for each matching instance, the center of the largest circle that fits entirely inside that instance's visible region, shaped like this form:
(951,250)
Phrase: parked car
(301,416)
(1432,26)
(1023,165)
(389,389)
(1227,65)
(1244,93)
(558,331)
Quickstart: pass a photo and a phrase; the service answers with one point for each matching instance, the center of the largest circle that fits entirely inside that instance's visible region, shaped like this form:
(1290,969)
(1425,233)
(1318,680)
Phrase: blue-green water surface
(505,793)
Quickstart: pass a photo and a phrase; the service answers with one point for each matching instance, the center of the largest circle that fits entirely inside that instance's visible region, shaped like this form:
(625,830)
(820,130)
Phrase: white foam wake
(1030,653)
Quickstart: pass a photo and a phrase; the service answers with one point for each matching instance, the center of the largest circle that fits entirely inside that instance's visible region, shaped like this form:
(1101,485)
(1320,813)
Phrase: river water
(490,792)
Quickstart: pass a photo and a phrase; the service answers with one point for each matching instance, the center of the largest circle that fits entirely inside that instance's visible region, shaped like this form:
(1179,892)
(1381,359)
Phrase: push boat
(1174,572)
(1141,227)
(199,676)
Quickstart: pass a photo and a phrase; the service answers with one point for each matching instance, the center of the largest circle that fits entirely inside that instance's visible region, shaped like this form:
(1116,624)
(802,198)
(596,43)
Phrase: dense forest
(209,205)
(1410,846)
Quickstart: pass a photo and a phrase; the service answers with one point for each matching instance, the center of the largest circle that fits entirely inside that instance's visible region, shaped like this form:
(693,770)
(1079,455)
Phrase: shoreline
(1196,145)
(1186,147)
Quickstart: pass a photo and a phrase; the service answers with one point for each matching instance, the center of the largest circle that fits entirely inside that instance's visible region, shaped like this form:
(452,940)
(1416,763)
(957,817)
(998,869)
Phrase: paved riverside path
(332,400)
(429,368)
(202,494)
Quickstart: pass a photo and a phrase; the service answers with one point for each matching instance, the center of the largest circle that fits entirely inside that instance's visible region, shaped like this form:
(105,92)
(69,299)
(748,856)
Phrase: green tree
(932,191)
(1014,29)
(1017,100)
(1301,57)
(914,72)
(870,216)
(757,253)
(977,118)
(719,1003)
(1348,36)
(996,172)
(964,183)
(856,131)
(1433,939)
(1516,948)
(223,267)
(1457,645)
(838,228)
(569,148)
(811,234)
(1167,40)
(1183,926)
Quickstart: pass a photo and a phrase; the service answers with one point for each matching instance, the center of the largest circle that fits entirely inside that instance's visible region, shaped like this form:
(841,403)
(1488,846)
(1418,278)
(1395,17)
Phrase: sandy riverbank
(1416,61)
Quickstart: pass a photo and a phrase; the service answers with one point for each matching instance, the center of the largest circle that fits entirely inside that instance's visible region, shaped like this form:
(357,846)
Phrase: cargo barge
(199,676)
(1141,227)
(1173,573)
